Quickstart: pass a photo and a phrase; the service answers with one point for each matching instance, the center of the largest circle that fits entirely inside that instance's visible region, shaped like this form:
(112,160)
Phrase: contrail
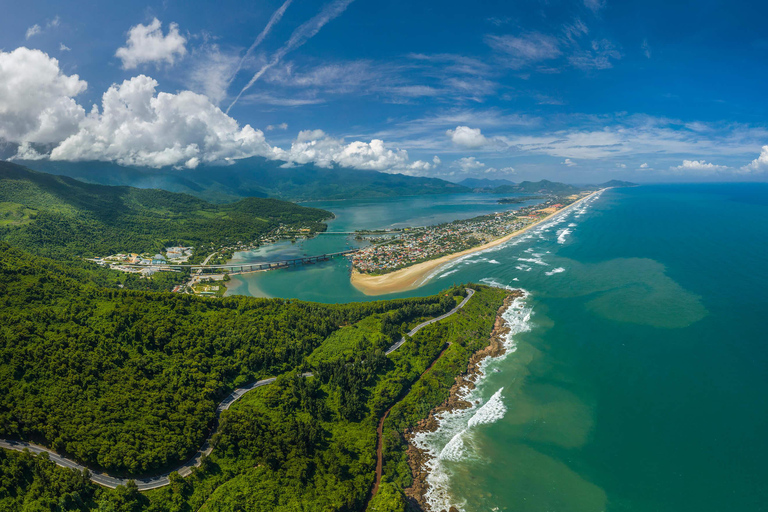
(300,36)
(276,16)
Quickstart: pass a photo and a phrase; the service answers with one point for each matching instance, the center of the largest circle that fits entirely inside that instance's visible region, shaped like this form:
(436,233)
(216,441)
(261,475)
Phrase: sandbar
(414,276)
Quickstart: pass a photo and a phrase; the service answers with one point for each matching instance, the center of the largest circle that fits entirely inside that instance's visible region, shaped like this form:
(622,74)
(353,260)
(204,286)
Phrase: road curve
(145,484)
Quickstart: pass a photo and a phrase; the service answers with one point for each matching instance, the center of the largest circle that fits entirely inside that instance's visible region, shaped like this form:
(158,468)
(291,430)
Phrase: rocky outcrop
(418,458)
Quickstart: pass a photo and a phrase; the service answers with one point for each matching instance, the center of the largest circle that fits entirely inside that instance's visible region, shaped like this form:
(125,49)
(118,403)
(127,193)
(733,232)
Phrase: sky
(578,91)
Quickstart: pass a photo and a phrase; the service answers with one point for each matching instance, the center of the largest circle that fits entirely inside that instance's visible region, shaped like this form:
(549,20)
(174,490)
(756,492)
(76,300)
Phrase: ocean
(636,376)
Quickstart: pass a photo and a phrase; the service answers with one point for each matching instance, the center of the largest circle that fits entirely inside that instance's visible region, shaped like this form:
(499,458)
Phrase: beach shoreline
(418,458)
(416,275)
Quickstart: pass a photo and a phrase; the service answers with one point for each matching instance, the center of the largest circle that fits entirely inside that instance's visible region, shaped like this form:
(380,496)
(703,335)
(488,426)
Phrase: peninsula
(407,262)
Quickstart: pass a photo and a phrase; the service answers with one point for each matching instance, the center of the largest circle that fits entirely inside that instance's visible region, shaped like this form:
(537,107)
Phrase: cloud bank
(138,125)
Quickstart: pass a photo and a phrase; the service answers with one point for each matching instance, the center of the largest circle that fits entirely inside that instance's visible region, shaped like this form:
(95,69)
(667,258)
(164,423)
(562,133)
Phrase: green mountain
(64,217)
(255,177)
(475,183)
(537,187)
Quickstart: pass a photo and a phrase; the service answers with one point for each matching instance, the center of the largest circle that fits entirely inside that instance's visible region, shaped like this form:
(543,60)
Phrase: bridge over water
(240,268)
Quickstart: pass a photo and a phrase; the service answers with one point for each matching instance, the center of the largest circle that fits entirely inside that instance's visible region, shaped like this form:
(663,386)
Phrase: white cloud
(569,162)
(758,165)
(315,146)
(210,72)
(27,152)
(526,49)
(466,137)
(36,98)
(146,43)
(33,30)
(64,48)
(644,166)
(281,126)
(698,167)
(138,126)
(470,165)
(621,166)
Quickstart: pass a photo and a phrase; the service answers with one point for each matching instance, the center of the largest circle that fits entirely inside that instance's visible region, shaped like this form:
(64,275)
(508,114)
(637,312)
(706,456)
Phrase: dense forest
(129,380)
(62,217)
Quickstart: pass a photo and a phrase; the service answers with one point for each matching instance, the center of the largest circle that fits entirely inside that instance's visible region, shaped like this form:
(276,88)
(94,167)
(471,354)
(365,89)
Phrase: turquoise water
(638,377)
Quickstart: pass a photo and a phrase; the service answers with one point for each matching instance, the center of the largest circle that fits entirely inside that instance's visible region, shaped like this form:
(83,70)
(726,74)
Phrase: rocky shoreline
(418,458)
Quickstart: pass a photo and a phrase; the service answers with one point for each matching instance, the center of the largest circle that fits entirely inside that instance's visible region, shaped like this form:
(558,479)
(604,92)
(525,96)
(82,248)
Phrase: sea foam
(452,443)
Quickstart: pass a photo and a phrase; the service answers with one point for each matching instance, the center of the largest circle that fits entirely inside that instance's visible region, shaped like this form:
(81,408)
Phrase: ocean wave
(561,234)
(449,273)
(452,442)
(555,271)
(537,260)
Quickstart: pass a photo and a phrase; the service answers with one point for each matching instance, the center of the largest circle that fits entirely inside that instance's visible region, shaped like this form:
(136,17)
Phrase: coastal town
(387,254)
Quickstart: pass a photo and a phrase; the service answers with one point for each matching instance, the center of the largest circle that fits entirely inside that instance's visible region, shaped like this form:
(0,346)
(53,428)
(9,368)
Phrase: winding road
(145,484)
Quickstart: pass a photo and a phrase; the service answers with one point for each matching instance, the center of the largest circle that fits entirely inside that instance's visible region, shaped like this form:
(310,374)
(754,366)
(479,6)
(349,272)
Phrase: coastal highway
(470,293)
(145,484)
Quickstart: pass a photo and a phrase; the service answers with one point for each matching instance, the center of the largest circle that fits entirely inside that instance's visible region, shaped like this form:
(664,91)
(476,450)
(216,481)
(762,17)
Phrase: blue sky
(576,91)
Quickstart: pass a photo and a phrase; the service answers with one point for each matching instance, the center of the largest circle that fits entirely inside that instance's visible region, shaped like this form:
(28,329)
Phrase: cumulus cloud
(698,166)
(36,98)
(569,162)
(470,165)
(759,164)
(466,137)
(146,43)
(315,146)
(139,126)
(27,152)
(644,166)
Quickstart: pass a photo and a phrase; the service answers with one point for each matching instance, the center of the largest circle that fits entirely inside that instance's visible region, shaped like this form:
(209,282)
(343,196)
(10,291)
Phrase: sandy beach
(416,275)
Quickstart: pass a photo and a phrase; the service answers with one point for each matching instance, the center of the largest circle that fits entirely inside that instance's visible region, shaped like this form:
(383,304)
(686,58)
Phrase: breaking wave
(452,442)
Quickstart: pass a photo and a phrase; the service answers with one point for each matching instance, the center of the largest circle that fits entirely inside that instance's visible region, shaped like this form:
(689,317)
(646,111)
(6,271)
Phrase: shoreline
(418,458)
(416,275)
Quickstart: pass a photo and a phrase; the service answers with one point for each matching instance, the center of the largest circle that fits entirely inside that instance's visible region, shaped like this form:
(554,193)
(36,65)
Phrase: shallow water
(638,375)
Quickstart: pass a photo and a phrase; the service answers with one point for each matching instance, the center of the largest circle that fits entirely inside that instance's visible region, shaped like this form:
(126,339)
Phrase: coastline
(419,458)
(414,276)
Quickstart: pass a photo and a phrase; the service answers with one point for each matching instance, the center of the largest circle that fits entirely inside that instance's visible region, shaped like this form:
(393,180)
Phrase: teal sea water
(637,374)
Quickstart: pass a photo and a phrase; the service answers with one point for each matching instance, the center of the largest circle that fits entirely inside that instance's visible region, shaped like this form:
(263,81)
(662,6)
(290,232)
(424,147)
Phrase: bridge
(240,268)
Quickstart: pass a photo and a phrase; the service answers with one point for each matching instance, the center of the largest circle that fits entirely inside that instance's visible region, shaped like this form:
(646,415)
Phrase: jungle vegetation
(64,218)
(129,380)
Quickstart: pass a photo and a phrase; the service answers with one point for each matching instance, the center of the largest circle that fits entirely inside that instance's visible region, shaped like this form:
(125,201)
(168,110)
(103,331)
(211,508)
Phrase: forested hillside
(129,381)
(62,217)
(257,177)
